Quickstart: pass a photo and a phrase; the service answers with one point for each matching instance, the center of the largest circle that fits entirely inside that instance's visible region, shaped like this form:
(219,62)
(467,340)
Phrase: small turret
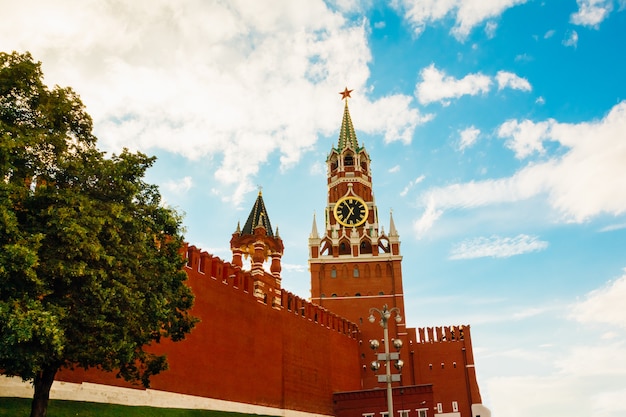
(314,234)
(258,242)
(392,226)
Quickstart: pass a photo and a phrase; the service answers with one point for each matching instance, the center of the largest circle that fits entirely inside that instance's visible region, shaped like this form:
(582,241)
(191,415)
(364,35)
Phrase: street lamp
(385,315)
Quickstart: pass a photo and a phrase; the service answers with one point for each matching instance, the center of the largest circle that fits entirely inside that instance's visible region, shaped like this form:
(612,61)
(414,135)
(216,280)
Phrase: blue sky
(497,131)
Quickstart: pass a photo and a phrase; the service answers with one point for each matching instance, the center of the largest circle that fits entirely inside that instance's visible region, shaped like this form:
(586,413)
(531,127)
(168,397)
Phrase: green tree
(90,260)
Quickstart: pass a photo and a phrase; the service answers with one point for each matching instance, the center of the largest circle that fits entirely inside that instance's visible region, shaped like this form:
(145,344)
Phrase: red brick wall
(242,350)
(296,356)
(447,363)
(412,398)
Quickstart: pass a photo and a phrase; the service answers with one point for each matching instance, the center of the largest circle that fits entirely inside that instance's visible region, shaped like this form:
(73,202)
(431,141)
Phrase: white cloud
(490,29)
(400,118)
(552,395)
(467,13)
(428,218)
(511,80)
(317,168)
(594,360)
(436,85)
(613,227)
(394,169)
(583,375)
(179,187)
(526,137)
(585,178)
(468,137)
(591,12)
(587,380)
(411,184)
(188,77)
(604,305)
(571,39)
(549,34)
(497,247)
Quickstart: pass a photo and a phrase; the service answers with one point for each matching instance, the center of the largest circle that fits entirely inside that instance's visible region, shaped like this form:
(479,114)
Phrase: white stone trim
(15,387)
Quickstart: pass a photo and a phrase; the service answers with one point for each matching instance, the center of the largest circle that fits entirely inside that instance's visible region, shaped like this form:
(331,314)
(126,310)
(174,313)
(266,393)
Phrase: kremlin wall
(244,350)
(260,349)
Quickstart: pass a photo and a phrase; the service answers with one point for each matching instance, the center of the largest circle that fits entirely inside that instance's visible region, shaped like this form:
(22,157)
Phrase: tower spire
(392,226)
(314,234)
(347,136)
(258,217)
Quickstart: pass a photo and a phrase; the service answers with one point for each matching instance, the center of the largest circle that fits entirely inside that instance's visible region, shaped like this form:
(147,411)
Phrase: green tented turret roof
(258,217)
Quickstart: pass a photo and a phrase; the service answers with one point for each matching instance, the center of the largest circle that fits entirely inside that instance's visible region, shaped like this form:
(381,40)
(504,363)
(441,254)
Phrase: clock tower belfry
(354,264)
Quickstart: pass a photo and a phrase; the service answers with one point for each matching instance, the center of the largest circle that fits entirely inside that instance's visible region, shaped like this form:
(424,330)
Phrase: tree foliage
(90,266)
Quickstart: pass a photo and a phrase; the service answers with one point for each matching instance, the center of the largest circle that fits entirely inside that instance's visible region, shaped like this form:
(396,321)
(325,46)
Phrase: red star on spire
(345,93)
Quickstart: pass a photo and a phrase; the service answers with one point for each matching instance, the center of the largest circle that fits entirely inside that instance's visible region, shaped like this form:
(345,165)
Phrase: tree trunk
(43,383)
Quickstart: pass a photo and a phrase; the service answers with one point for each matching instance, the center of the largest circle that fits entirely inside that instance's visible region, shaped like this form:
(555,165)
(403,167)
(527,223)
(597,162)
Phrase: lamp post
(388,357)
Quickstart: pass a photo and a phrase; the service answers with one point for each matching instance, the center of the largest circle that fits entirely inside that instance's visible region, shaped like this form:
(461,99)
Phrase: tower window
(333,273)
(344,248)
(365,247)
(355,272)
(348,160)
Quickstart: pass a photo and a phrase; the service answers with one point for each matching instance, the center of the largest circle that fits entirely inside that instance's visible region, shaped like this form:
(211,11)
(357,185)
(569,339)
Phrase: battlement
(443,334)
(206,269)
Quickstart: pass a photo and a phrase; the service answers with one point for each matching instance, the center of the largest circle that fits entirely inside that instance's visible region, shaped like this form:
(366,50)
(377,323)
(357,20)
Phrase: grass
(20,407)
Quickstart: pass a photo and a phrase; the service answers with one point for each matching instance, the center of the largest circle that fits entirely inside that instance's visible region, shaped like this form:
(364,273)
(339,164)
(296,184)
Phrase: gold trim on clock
(350,211)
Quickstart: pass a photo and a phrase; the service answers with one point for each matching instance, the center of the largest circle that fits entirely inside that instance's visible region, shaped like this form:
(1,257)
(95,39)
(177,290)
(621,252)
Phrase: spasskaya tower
(354,264)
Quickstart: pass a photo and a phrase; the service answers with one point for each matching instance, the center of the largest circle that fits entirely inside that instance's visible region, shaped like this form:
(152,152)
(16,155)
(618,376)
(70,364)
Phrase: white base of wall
(479,410)
(15,387)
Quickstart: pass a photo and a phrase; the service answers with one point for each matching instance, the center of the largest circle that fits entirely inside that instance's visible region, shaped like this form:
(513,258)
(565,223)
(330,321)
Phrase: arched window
(344,248)
(383,244)
(348,160)
(355,272)
(365,247)
(325,248)
(333,272)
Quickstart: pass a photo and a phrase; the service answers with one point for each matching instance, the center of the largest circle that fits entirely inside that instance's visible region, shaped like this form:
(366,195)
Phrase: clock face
(350,211)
